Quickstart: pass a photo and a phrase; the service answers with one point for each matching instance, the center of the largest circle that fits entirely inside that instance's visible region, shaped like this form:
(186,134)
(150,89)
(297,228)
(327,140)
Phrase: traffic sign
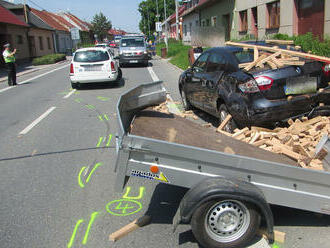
(158,26)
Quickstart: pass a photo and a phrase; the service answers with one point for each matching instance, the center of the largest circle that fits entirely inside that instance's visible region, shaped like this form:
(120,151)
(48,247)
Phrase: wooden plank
(278,236)
(255,53)
(224,123)
(289,52)
(277,62)
(288,62)
(251,65)
(244,65)
(254,138)
(281,42)
(272,65)
(144,220)
(240,132)
(268,58)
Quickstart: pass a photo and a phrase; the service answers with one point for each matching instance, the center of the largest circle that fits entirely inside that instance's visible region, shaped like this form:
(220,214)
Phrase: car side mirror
(116,57)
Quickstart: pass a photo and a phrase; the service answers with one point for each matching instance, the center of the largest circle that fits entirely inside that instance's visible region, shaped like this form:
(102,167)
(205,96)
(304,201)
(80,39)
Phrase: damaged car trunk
(260,91)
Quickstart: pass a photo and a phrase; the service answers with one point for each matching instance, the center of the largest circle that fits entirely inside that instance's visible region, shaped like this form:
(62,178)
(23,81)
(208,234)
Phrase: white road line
(70,93)
(155,78)
(41,75)
(34,123)
(8,88)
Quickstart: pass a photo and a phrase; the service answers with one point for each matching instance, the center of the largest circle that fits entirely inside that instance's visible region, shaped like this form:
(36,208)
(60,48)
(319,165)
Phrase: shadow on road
(101,86)
(284,216)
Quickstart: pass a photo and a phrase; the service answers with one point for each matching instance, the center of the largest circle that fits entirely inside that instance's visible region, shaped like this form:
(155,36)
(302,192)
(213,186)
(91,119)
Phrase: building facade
(263,18)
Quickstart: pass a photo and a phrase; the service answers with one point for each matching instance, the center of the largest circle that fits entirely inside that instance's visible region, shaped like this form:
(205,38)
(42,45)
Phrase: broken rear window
(244,56)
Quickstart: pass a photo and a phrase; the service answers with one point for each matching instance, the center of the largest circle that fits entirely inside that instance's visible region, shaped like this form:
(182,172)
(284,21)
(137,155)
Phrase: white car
(94,64)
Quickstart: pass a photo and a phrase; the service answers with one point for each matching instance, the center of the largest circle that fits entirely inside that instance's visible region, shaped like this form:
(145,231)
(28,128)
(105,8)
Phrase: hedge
(49,59)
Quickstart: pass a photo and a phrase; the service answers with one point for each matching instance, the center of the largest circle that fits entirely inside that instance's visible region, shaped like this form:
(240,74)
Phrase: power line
(36,5)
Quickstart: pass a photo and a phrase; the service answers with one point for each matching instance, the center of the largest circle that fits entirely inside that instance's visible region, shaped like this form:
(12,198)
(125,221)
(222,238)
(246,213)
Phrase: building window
(207,22)
(197,23)
(185,29)
(41,43)
(243,21)
(273,14)
(19,39)
(203,22)
(190,27)
(48,42)
(214,21)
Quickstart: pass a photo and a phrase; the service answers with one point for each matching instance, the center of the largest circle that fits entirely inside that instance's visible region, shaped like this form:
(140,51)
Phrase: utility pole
(177,19)
(165,23)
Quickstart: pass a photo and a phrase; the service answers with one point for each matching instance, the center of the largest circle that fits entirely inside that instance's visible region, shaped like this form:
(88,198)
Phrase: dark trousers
(11,69)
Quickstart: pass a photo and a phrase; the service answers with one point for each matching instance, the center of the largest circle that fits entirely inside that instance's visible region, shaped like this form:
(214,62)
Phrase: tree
(101,25)
(148,11)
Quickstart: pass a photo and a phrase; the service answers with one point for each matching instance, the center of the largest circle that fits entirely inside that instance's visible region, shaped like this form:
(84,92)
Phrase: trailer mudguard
(226,188)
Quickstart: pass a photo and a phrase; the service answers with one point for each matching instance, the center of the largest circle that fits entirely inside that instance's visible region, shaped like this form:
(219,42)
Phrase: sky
(122,13)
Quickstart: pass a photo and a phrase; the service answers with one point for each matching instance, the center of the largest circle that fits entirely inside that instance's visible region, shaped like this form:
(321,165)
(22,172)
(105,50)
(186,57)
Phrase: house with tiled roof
(14,31)
(207,22)
(62,35)
(86,35)
(169,25)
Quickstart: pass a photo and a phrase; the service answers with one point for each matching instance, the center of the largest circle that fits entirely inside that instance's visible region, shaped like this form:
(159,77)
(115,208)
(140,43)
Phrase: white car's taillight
(264,82)
(71,69)
(113,69)
(249,87)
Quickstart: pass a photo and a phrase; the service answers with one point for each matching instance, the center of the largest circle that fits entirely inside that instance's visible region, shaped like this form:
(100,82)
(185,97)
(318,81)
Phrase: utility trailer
(228,194)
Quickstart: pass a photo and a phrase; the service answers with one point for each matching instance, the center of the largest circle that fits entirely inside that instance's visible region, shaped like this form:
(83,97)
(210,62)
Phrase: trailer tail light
(326,70)
(249,87)
(71,69)
(264,82)
(113,69)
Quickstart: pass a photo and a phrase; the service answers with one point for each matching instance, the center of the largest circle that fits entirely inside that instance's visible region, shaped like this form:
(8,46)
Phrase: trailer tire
(225,223)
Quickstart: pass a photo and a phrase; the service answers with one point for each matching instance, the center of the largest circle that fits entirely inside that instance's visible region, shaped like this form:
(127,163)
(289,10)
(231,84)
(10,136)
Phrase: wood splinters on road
(134,225)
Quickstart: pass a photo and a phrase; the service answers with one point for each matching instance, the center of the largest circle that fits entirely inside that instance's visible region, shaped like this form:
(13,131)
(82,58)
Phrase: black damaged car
(258,97)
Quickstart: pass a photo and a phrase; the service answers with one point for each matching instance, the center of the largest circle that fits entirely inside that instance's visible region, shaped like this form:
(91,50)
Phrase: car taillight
(138,53)
(264,82)
(326,70)
(113,69)
(71,69)
(249,87)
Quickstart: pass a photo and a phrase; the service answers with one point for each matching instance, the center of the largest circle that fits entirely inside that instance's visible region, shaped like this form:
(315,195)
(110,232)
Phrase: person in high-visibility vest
(10,64)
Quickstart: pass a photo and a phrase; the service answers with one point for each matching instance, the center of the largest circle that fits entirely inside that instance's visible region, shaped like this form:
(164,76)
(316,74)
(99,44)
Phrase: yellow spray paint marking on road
(103,98)
(79,222)
(89,106)
(123,207)
(103,116)
(100,141)
(90,174)
(80,183)
(74,233)
(128,189)
(103,139)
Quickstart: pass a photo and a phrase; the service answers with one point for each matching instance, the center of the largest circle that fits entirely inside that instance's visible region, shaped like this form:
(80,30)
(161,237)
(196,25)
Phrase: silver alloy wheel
(227,221)
(184,99)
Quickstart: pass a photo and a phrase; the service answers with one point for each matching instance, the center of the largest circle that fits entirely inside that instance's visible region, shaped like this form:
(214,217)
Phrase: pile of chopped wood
(298,141)
(274,56)
(164,108)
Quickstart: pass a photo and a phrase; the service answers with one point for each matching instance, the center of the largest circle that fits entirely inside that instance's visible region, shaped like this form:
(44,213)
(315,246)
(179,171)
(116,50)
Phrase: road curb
(168,62)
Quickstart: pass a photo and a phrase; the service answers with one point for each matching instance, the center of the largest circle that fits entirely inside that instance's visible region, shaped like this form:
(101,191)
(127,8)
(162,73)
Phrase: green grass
(308,43)
(177,52)
(49,59)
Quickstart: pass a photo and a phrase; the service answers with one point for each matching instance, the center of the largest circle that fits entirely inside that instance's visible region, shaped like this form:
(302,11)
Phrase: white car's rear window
(91,56)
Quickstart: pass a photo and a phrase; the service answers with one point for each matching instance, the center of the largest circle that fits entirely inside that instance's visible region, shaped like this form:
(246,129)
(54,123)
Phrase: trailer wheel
(225,223)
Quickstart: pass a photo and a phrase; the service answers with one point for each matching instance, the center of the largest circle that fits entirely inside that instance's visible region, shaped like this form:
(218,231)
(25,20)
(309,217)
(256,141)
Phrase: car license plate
(300,85)
(133,61)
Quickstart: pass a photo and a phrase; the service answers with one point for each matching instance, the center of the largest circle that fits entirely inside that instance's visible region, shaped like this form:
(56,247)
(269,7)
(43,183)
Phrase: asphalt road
(57,175)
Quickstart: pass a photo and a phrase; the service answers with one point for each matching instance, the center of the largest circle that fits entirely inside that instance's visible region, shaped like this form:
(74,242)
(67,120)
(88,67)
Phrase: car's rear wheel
(223,113)
(185,102)
(120,75)
(225,223)
(74,85)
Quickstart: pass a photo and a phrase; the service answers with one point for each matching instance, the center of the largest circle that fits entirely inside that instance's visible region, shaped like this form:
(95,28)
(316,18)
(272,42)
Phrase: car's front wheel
(185,102)
(223,113)
(225,223)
